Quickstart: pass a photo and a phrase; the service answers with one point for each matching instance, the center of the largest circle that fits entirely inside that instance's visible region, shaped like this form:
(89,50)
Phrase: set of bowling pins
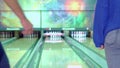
(6,34)
(79,35)
(54,35)
(33,35)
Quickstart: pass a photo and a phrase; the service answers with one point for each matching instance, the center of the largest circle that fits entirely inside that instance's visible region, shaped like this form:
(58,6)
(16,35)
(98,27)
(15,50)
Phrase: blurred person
(106,30)
(28,29)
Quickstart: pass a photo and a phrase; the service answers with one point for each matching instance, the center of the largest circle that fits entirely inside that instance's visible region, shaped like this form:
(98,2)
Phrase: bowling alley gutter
(30,62)
(9,40)
(95,57)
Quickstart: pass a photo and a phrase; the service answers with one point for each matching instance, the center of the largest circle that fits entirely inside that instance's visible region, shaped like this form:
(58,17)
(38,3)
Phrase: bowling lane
(60,55)
(15,50)
(88,42)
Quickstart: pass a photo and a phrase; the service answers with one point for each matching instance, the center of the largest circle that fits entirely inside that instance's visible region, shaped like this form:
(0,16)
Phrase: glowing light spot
(74,5)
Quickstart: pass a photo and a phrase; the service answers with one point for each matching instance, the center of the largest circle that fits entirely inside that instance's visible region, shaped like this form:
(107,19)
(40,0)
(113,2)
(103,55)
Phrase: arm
(101,18)
(13,4)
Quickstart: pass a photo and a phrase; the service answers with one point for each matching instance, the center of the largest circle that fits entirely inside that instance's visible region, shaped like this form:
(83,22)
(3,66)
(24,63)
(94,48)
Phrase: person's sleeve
(100,19)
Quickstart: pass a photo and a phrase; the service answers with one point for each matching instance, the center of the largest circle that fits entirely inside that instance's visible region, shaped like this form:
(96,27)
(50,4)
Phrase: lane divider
(95,57)
(9,40)
(24,58)
(28,63)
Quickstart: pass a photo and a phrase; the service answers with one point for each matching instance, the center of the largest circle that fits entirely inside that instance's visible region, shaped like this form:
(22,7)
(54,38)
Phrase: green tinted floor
(60,55)
(90,44)
(54,55)
(16,49)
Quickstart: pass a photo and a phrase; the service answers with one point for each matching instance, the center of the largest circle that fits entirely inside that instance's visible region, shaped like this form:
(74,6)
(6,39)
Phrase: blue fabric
(107,18)
(4,63)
